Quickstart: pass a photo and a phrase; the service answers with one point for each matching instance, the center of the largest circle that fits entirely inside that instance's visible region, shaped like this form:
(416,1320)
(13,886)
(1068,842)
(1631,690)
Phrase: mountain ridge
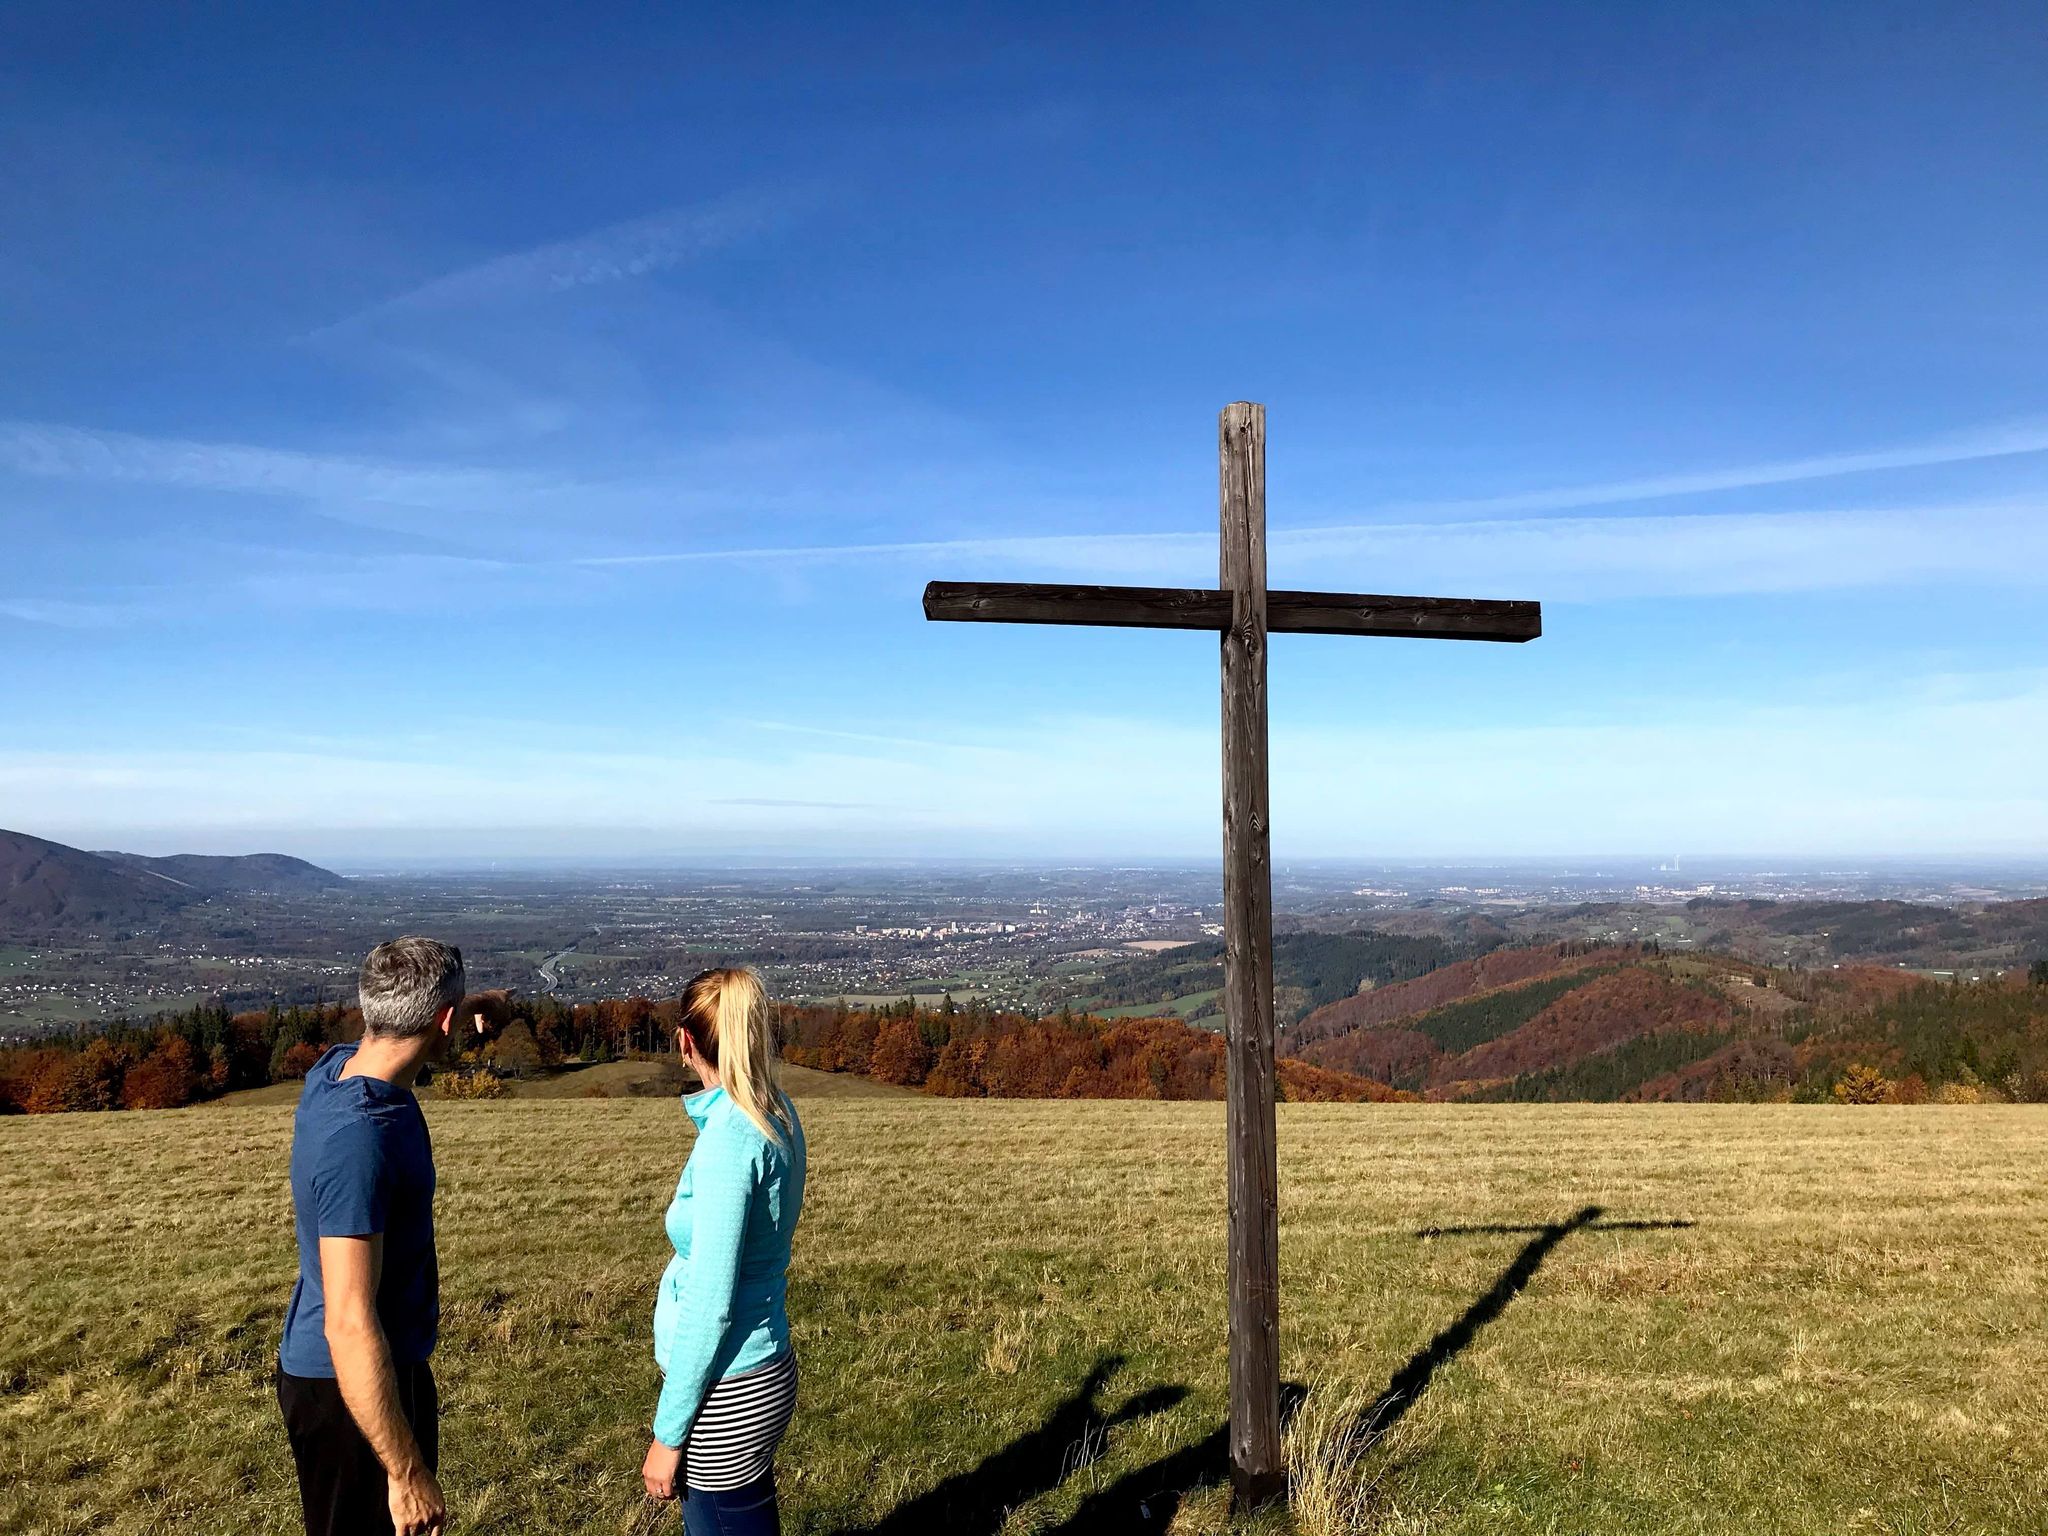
(219,873)
(51,887)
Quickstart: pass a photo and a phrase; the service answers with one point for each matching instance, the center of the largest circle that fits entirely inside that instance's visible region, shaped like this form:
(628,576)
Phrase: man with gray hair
(358,1397)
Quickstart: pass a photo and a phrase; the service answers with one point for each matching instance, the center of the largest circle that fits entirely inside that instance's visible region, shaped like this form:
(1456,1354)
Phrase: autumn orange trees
(164,1079)
(168,1061)
(1564,1022)
(972,1053)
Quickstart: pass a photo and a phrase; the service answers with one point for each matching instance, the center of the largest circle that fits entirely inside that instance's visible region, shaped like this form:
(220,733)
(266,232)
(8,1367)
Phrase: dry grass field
(1778,1319)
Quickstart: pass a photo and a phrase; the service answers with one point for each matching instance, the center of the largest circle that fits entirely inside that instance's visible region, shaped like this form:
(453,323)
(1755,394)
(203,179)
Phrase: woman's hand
(659,1470)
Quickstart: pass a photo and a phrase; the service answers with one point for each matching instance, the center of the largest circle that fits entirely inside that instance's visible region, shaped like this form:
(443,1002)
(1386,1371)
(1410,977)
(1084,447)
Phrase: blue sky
(462,433)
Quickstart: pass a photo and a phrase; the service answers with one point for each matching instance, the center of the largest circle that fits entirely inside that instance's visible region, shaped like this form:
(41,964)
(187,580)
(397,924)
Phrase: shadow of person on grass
(1148,1498)
(977,1501)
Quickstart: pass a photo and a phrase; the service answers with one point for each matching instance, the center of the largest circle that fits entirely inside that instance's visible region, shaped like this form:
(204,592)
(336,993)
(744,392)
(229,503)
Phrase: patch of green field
(284,1091)
(923,999)
(46,1010)
(60,1009)
(803,1084)
(1782,1319)
(1180,1007)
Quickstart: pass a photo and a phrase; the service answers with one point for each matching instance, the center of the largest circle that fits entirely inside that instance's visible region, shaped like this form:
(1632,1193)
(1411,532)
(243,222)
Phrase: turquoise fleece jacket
(723,1303)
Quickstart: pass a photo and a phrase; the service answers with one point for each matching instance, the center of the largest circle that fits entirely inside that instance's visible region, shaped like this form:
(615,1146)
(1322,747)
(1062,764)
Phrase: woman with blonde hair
(721,1319)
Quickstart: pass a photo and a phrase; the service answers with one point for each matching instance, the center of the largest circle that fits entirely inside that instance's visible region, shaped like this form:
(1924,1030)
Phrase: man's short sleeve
(348,1183)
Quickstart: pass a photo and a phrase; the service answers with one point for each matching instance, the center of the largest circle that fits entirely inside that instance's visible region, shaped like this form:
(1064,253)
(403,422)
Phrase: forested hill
(1566,1022)
(219,874)
(46,885)
(51,888)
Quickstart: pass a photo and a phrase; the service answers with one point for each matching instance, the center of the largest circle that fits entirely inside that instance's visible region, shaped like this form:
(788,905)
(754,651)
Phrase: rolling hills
(45,885)
(48,887)
(1572,1022)
(1309,970)
(234,874)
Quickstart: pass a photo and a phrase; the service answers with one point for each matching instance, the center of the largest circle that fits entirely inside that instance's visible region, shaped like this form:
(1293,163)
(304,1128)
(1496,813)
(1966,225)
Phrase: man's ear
(447,1018)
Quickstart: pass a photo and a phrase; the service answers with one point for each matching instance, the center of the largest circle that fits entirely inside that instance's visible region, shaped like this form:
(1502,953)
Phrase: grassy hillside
(1783,1319)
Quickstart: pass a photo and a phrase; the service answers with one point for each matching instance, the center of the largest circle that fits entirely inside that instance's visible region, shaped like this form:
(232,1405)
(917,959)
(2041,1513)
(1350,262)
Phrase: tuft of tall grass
(1341,1463)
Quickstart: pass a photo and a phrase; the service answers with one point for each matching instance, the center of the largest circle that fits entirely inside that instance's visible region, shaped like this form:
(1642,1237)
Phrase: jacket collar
(699,1105)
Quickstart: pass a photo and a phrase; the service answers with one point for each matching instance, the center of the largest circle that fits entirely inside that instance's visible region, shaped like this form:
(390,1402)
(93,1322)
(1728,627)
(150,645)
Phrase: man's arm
(349,1270)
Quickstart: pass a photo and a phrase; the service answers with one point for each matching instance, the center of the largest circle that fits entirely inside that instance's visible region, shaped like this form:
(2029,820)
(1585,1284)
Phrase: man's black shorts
(341,1483)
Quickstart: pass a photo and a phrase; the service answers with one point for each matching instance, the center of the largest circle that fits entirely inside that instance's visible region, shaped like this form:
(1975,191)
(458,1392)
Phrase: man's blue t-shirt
(362,1164)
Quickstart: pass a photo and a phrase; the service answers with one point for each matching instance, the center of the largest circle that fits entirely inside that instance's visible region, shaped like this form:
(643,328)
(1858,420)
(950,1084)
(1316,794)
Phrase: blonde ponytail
(727,1014)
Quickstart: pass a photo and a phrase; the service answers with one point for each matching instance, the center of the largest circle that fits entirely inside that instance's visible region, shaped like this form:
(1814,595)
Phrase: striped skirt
(733,1441)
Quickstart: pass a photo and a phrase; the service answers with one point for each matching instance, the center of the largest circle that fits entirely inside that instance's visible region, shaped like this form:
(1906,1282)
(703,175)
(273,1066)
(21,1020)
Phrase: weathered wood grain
(1299,613)
(1257,1475)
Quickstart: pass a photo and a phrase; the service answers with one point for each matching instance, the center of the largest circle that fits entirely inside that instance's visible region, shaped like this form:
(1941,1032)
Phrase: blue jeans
(748,1511)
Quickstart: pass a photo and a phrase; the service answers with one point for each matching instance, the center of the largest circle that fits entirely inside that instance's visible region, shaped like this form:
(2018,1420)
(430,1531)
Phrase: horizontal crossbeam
(1300,613)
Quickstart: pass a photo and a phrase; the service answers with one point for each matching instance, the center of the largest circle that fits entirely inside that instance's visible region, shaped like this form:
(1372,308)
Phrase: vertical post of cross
(1256,1474)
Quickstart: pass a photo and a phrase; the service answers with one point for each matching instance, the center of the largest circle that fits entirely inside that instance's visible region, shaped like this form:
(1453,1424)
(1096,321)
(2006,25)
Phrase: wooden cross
(1244,611)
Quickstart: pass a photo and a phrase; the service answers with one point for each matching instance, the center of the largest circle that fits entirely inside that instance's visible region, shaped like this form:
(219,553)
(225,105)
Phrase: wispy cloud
(766,802)
(1587,557)
(511,520)
(275,582)
(73,453)
(62,613)
(1026,548)
(924,744)
(1710,554)
(1998,441)
(1480,543)
(615,253)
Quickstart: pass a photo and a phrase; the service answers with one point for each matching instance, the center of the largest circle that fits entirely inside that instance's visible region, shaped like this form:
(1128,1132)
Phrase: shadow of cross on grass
(1148,1498)
(978,1501)
(1409,1381)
